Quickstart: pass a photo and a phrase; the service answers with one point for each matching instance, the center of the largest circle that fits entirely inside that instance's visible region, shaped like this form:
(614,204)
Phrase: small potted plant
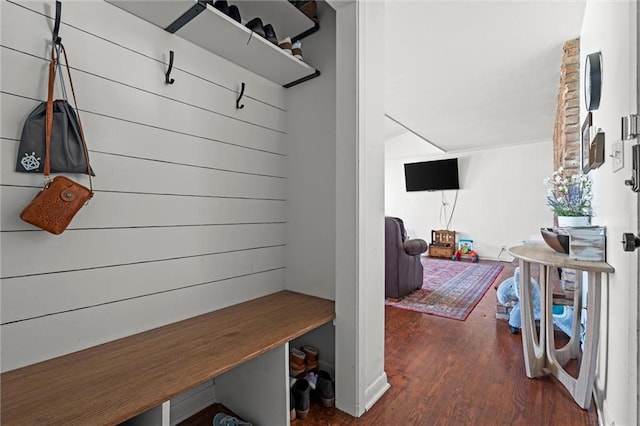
(569,197)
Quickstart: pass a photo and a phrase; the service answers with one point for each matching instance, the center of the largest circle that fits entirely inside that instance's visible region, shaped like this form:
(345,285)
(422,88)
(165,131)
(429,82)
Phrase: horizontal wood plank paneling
(109,135)
(190,208)
(81,249)
(116,173)
(127,102)
(26,342)
(121,210)
(21,297)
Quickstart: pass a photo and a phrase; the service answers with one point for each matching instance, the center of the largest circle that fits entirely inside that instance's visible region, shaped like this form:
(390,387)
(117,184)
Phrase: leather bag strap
(75,104)
(49,113)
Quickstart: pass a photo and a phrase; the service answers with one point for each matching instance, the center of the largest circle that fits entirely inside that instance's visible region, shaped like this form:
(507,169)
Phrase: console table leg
(577,317)
(532,345)
(547,307)
(582,387)
(584,384)
(572,349)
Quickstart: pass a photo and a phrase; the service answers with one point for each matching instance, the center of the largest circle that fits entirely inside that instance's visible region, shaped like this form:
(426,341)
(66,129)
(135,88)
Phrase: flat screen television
(432,175)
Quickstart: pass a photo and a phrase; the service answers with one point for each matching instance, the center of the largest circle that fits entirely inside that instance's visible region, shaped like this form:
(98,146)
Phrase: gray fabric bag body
(67,152)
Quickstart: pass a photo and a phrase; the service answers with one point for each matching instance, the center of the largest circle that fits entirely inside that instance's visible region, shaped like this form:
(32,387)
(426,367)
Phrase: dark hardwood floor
(448,372)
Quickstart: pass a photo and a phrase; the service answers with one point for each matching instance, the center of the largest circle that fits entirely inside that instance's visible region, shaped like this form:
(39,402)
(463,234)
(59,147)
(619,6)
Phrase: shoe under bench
(116,381)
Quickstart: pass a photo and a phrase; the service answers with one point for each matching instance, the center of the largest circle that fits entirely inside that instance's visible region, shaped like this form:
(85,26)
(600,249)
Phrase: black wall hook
(238,106)
(56,26)
(167,76)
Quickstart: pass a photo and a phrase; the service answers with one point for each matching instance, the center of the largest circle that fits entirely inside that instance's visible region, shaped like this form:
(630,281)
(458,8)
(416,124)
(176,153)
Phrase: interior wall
(349,388)
(359,205)
(611,28)
(371,109)
(501,200)
(189,214)
(311,155)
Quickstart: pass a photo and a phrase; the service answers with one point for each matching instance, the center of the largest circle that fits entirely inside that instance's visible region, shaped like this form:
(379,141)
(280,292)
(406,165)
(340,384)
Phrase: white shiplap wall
(189,211)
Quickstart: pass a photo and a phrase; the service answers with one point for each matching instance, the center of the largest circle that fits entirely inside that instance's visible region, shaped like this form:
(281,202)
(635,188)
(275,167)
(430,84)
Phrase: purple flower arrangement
(569,195)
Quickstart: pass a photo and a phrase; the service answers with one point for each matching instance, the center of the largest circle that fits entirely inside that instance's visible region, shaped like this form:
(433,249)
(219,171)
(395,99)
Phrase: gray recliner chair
(403,269)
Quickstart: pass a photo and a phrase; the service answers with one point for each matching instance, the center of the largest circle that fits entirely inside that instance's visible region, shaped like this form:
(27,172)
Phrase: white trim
(359,205)
(339,4)
(348,325)
(166,413)
(376,390)
(189,403)
(605,417)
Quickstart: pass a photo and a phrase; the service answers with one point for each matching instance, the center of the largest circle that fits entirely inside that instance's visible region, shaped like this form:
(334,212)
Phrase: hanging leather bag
(61,198)
(66,153)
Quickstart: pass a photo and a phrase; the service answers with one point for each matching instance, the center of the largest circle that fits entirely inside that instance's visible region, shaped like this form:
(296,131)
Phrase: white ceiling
(474,74)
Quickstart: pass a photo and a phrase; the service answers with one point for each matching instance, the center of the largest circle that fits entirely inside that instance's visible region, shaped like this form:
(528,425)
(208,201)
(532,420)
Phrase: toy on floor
(508,294)
(465,248)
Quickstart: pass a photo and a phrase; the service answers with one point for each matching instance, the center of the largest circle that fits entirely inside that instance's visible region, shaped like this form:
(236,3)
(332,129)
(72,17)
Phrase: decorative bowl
(558,242)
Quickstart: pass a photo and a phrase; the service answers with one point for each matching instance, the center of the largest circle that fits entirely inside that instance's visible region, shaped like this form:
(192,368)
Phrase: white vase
(573,221)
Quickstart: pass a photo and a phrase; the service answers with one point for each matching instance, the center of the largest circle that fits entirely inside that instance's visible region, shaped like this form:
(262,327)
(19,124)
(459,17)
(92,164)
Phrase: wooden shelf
(214,31)
(110,383)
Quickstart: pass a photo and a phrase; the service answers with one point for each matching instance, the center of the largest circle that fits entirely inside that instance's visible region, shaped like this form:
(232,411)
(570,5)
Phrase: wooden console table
(540,354)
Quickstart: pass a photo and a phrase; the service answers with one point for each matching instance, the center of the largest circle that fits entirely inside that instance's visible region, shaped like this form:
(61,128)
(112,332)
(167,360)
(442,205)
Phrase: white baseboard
(605,418)
(506,258)
(375,391)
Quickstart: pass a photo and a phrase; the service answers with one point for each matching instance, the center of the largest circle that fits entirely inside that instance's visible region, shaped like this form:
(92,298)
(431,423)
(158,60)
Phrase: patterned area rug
(451,289)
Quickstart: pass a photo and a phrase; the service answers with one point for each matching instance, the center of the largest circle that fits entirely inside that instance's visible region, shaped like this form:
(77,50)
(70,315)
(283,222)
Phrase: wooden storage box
(435,251)
(443,243)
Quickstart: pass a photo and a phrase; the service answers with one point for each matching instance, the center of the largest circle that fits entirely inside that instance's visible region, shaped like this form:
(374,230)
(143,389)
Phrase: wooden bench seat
(115,381)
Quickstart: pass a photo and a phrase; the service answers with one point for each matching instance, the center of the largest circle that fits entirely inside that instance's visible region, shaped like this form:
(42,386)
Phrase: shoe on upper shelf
(308,7)
(296,49)
(270,34)
(256,26)
(286,45)
(234,13)
(222,6)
